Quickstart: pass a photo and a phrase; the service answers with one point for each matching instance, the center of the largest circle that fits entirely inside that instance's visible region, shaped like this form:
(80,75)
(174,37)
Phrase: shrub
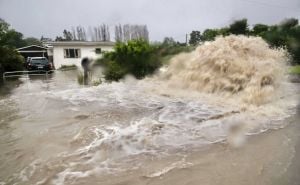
(136,57)
(114,71)
(10,60)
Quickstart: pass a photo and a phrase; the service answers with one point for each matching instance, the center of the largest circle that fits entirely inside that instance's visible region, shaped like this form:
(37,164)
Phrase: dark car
(39,63)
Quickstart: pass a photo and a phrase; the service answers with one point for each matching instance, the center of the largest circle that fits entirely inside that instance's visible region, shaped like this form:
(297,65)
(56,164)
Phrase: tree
(67,35)
(259,29)
(294,43)
(223,31)
(9,37)
(81,35)
(105,33)
(13,39)
(195,38)
(3,28)
(239,27)
(169,41)
(209,34)
(32,41)
(119,33)
(59,38)
(134,32)
(10,60)
(136,57)
(289,23)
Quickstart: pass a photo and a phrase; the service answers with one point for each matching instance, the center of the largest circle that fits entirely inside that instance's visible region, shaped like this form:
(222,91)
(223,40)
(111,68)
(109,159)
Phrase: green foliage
(114,71)
(295,70)
(32,41)
(12,39)
(136,57)
(195,38)
(259,29)
(168,41)
(103,61)
(287,35)
(170,47)
(224,31)
(3,28)
(289,23)
(10,60)
(209,34)
(284,35)
(239,27)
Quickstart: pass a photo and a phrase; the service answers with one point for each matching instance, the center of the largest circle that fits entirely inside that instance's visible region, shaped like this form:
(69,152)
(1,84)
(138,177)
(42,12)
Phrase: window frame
(76,52)
(97,51)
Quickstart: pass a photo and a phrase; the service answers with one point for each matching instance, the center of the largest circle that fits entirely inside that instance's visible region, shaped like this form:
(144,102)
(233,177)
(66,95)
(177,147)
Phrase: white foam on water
(176,165)
(224,91)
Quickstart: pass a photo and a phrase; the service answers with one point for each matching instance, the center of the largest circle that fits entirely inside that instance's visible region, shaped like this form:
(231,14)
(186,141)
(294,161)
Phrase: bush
(114,71)
(136,57)
(10,60)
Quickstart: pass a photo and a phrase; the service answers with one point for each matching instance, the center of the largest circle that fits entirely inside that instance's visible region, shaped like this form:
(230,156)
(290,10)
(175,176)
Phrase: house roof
(32,48)
(80,43)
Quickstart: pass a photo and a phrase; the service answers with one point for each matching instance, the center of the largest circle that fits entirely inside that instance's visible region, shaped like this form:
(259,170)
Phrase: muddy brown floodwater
(224,117)
(58,132)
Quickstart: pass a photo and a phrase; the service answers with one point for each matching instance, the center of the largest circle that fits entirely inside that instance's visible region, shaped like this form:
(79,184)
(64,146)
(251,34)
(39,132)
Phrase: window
(72,53)
(98,50)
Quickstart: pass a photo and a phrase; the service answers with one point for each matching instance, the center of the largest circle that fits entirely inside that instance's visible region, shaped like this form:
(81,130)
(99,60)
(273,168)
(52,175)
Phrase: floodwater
(153,131)
(58,132)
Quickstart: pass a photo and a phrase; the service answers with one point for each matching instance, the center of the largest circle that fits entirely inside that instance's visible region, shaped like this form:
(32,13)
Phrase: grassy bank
(295,70)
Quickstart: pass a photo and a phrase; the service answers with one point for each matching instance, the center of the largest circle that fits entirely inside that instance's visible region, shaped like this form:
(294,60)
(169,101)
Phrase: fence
(12,74)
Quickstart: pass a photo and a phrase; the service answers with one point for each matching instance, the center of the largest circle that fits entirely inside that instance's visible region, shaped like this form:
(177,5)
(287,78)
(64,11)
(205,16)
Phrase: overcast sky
(164,18)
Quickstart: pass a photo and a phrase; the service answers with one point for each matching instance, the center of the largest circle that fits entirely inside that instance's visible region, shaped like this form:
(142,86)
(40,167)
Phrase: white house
(72,52)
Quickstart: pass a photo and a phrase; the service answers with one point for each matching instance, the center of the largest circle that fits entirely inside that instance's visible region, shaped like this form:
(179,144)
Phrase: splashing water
(109,129)
(234,65)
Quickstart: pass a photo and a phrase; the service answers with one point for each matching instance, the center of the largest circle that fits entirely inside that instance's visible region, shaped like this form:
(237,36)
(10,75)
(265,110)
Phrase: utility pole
(186,39)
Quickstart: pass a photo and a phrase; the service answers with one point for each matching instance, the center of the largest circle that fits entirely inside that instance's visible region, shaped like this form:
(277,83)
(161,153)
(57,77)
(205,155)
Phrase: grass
(67,67)
(295,70)
(166,59)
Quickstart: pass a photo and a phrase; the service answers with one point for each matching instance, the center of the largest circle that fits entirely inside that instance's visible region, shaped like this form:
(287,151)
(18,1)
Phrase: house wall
(86,51)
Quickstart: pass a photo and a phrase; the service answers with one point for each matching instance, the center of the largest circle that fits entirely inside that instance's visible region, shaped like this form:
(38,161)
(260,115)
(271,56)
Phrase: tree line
(286,34)
(123,33)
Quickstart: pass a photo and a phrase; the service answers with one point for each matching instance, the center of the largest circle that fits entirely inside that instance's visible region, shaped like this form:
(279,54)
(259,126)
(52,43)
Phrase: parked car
(39,63)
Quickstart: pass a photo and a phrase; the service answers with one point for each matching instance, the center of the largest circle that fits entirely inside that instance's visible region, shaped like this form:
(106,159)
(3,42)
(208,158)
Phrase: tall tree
(81,34)
(289,23)
(10,59)
(259,29)
(67,35)
(10,37)
(118,33)
(195,38)
(169,41)
(209,34)
(239,27)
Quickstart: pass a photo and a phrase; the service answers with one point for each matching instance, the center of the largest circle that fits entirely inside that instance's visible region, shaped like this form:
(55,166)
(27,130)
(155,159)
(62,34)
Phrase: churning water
(56,132)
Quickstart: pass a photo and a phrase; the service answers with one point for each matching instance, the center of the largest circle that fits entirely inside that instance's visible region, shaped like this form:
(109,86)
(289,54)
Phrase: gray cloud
(164,17)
